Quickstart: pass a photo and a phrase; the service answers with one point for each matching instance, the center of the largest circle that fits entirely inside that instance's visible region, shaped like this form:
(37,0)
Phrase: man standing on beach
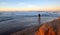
(39,18)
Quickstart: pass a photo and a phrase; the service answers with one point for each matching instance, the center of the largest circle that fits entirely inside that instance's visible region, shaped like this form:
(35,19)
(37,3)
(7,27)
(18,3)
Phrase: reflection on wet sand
(32,30)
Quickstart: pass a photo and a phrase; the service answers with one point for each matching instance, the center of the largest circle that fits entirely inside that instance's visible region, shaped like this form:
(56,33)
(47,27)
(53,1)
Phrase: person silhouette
(39,18)
(39,15)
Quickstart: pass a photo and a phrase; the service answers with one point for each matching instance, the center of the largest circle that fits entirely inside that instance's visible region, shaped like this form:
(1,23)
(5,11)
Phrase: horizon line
(32,11)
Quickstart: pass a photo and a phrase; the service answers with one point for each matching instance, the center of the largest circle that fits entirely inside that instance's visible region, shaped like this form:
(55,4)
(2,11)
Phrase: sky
(29,5)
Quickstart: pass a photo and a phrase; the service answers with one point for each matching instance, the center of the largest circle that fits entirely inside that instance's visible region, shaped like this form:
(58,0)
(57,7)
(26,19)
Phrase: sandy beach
(50,28)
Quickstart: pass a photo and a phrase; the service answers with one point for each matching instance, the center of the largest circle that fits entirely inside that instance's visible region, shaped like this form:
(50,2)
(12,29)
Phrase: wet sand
(20,26)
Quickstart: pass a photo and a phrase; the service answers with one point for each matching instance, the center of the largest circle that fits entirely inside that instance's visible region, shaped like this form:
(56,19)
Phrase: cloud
(28,5)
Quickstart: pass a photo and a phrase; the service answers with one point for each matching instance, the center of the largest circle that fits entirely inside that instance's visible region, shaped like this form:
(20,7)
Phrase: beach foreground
(21,25)
(50,28)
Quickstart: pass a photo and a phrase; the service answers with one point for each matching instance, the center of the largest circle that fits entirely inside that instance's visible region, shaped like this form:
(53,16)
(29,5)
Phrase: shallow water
(22,22)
